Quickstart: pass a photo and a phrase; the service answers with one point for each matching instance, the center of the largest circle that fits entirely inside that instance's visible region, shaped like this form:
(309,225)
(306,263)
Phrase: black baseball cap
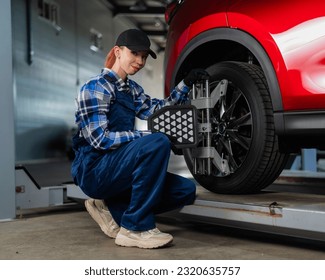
(135,40)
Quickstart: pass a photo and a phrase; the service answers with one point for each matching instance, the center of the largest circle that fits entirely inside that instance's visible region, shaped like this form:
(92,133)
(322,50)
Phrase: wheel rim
(232,127)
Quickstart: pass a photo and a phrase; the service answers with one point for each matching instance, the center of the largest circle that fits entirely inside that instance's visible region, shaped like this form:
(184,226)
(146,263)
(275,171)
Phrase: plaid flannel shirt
(96,96)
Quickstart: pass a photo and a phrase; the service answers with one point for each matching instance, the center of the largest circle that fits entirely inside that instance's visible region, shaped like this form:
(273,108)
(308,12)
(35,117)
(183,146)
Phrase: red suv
(271,55)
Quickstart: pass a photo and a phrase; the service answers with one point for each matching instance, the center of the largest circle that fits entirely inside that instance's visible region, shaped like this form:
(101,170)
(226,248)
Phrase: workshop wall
(63,56)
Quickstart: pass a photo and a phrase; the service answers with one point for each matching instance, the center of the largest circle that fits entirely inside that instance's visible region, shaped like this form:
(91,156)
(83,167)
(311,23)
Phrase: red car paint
(291,32)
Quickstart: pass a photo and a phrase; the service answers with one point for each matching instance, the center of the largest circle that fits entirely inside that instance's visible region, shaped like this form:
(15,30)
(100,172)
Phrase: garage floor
(68,232)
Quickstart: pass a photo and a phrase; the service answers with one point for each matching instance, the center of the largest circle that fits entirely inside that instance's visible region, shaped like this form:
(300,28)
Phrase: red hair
(110,59)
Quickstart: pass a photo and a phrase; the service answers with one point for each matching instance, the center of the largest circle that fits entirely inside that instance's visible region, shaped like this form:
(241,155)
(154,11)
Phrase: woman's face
(129,62)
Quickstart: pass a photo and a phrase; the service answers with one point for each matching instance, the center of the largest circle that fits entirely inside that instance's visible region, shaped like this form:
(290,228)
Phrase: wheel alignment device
(189,126)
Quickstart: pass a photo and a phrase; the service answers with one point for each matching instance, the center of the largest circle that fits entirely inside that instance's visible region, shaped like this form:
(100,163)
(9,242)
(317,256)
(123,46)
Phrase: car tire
(250,146)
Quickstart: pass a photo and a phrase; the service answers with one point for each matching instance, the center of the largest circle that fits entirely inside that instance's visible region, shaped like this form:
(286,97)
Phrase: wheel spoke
(222,108)
(241,140)
(230,157)
(233,123)
(245,120)
(229,111)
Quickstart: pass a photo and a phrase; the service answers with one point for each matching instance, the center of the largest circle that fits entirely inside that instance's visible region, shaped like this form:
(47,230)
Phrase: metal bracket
(211,153)
(273,206)
(201,102)
(204,102)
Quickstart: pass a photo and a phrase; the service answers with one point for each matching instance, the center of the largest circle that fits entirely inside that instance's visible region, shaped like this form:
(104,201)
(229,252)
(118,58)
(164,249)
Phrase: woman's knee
(180,186)
(159,140)
(160,137)
(189,191)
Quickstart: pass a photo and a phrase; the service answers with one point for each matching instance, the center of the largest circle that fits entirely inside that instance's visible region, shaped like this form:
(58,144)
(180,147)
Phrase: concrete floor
(68,232)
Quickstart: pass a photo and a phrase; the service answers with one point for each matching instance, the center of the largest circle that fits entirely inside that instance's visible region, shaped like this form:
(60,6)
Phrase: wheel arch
(228,44)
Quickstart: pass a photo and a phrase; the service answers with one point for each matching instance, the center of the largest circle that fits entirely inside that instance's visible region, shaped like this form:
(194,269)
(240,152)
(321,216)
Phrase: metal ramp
(286,213)
(42,184)
(294,214)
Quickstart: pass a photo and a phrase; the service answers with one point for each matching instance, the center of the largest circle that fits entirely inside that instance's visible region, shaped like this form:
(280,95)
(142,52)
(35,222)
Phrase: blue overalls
(132,179)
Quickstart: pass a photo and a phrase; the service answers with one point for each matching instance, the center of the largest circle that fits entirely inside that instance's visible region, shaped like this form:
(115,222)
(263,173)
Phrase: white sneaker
(149,239)
(100,213)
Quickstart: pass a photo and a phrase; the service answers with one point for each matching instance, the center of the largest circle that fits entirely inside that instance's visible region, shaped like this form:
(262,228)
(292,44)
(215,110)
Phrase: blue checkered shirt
(93,104)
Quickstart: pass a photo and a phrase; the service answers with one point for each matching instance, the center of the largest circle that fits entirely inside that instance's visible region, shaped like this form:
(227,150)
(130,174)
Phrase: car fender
(293,36)
(246,40)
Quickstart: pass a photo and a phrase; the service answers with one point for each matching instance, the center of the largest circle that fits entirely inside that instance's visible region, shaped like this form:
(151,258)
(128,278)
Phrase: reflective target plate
(178,122)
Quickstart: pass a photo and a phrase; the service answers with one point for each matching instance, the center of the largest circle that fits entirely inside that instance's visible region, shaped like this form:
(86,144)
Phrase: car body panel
(292,33)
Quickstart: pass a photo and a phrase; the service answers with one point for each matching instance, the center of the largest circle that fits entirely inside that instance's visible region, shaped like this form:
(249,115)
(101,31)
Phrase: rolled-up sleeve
(146,106)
